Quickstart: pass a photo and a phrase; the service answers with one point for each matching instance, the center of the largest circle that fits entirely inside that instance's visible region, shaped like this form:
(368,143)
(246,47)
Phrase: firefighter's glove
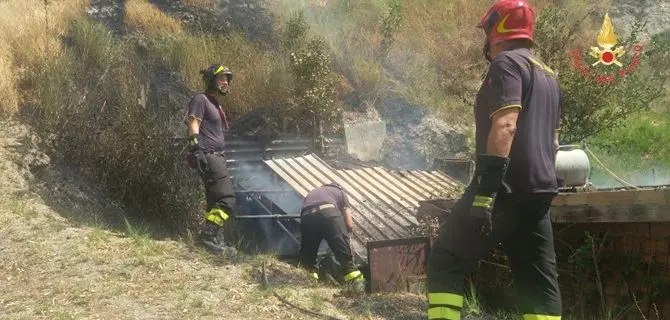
(489,173)
(199,155)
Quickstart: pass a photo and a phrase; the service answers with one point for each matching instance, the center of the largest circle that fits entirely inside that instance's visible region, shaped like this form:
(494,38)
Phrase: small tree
(312,102)
(314,84)
(390,25)
(596,98)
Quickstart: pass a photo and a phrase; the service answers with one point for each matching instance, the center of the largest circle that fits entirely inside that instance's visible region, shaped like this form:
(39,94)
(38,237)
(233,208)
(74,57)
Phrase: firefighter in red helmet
(508,199)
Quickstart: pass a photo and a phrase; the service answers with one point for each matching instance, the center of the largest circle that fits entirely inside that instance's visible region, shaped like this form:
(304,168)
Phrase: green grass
(471,302)
(638,153)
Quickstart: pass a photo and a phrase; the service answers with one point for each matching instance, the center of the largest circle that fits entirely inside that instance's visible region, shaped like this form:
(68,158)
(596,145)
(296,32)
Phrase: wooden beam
(617,206)
(624,197)
(614,213)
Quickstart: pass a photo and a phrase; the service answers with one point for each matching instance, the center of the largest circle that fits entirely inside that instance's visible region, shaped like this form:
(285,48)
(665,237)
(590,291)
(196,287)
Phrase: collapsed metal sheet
(398,265)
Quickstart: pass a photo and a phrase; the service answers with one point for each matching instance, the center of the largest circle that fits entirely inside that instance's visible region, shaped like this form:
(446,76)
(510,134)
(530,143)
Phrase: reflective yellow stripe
(214,218)
(484,202)
(443,313)
(504,108)
(542,66)
(218,70)
(451,299)
(540,317)
(217,216)
(352,275)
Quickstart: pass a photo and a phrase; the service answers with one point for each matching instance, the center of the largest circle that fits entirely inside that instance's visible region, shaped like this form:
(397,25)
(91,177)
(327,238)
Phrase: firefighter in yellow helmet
(516,113)
(206,122)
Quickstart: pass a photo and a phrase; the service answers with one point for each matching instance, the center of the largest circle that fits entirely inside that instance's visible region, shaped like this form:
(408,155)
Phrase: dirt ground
(66,252)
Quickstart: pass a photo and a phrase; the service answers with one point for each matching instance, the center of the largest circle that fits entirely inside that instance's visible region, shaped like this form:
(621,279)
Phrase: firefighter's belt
(318,208)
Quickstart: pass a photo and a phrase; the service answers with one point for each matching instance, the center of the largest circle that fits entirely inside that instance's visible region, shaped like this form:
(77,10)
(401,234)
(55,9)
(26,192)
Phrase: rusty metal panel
(398,265)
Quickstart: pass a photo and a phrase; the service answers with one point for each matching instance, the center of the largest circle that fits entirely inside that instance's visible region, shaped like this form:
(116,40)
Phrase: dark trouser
(326,224)
(218,189)
(522,224)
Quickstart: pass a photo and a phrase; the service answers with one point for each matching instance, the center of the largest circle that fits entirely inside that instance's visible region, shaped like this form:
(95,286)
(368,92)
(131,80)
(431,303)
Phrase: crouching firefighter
(206,121)
(326,214)
(508,200)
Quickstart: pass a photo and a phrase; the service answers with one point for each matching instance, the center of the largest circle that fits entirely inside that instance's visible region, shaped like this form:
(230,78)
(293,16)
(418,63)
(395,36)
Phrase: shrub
(314,91)
(312,102)
(591,107)
(88,104)
(390,25)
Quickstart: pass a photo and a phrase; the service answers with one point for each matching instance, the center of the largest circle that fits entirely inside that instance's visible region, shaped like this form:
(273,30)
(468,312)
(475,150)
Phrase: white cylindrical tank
(572,166)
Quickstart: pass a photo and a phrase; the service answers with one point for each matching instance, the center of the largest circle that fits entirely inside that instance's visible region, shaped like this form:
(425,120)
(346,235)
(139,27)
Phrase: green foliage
(314,82)
(294,32)
(643,135)
(390,24)
(88,106)
(637,152)
(590,104)
(313,96)
(471,304)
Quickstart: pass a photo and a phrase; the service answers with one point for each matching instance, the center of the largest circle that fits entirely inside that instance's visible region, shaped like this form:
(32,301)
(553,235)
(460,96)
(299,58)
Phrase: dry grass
(9,96)
(257,74)
(200,3)
(28,39)
(146,18)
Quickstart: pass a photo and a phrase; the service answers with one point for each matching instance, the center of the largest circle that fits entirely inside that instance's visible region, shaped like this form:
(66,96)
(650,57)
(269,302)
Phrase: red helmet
(508,19)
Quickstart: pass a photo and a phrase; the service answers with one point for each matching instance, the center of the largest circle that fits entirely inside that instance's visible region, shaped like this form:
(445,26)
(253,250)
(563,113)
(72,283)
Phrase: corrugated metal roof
(384,201)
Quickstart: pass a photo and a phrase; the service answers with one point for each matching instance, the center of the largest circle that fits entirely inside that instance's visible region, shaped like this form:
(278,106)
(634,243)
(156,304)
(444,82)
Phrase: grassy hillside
(106,99)
(638,153)
(109,95)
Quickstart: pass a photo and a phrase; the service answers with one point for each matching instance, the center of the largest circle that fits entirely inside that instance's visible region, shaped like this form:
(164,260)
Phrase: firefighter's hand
(203,166)
(199,155)
(481,211)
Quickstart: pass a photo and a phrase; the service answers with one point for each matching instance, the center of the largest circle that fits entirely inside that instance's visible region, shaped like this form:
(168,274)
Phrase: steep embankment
(66,252)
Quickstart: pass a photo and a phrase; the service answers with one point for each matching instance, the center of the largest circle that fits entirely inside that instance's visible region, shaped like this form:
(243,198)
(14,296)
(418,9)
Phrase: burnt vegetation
(106,88)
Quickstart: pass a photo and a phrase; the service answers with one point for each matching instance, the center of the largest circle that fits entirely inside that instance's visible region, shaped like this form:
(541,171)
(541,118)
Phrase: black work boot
(212,239)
